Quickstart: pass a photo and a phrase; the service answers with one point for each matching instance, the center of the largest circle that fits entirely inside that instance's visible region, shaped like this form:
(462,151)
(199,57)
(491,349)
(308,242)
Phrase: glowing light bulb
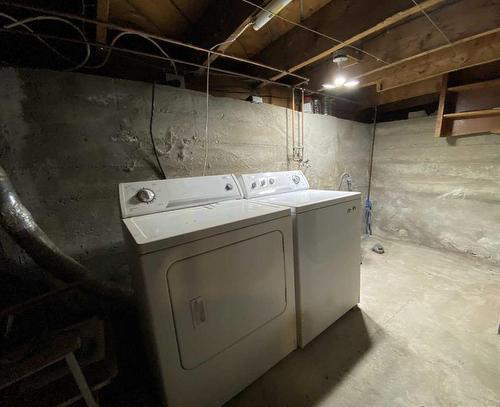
(329,86)
(339,80)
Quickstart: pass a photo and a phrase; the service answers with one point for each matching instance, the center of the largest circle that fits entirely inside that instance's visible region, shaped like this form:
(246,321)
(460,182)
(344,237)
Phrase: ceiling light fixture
(340,80)
(271,9)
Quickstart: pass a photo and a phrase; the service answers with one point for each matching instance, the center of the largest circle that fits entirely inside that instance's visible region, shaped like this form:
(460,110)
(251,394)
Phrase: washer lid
(301,201)
(166,229)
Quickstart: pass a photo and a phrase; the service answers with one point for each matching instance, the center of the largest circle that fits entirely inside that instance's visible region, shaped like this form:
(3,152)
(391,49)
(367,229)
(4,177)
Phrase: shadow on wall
(308,375)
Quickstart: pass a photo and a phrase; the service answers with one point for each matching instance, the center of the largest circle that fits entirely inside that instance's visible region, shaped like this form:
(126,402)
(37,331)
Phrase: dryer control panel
(146,197)
(270,183)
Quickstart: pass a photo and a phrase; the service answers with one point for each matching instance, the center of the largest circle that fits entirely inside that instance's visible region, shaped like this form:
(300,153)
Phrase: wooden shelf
(472,114)
(475,86)
(470,109)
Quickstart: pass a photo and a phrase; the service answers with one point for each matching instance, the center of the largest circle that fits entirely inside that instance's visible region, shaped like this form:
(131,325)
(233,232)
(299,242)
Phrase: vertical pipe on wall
(293,124)
(302,128)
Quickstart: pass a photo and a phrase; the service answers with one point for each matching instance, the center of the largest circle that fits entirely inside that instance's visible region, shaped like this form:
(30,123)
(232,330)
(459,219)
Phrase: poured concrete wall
(437,192)
(68,139)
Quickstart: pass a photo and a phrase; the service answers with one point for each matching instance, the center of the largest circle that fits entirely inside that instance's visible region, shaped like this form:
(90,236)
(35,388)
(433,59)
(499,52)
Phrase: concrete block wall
(68,139)
(437,192)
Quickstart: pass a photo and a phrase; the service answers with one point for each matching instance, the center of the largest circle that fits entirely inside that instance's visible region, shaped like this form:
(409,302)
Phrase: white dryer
(327,240)
(214,275)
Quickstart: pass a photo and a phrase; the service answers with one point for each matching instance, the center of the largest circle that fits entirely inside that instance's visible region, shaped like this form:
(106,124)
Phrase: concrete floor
(425,334)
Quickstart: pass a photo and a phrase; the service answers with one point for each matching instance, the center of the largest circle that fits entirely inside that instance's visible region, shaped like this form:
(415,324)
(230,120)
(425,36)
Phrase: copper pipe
(293,124)
(144,54)
(302,128)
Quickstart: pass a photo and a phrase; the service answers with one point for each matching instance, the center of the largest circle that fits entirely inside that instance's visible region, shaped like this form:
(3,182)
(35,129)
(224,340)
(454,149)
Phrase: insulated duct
(18,221)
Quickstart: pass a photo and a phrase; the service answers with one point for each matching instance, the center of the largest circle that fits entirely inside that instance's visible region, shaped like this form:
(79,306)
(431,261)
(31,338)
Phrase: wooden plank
(252,42)
(472,114)
(475,86)
(339,19)
(222,18)
(103,15)
(442,104)
(473,126)
(460,19)
(476,50)
(425,87)
(394,19)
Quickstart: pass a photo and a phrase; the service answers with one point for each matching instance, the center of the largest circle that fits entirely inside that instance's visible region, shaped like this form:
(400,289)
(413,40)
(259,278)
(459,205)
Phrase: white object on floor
(327,239)
(214,274)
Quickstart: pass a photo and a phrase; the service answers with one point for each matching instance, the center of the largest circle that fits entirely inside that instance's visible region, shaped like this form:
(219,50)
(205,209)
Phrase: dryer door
(220,296)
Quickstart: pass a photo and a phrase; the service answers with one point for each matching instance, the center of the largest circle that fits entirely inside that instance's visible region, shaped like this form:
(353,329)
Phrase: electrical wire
(151,119)
(156,37)
(432,22)
(316,32)
(106,58)
(23,23)
(231,39)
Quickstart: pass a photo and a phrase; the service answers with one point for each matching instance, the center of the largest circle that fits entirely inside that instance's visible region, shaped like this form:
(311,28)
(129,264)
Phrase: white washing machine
(327,240)
(214,275)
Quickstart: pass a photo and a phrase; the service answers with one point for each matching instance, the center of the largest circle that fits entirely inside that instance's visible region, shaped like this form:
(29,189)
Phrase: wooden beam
(475,50)
(442,104)
(426,87)
(339,19)
(221,20)
(389,21)
(459,20)
(468,52)
(475,86)
(103,15)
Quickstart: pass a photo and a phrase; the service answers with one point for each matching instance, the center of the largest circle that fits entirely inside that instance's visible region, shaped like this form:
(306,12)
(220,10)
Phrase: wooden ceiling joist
(475,50)
(459,20)
(221,20)
(387,22)
(339,19)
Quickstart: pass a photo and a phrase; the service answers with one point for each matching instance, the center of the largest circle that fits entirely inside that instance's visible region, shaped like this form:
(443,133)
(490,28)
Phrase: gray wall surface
(68,139)
(437,192)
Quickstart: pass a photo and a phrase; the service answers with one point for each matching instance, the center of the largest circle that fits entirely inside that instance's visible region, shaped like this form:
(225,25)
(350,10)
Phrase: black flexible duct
(17,220)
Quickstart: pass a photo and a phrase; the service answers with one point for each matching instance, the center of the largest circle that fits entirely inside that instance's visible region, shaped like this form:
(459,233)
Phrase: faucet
(348,179)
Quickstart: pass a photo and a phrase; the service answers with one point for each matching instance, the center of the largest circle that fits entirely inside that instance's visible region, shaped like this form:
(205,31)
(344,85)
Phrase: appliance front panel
(270,183)
(222,375)
(223,295)
(327,262)
(147,197)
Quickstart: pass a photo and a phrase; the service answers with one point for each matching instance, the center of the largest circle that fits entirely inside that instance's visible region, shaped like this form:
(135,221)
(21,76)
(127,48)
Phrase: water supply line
(298,147)
(347,177)
(19,223)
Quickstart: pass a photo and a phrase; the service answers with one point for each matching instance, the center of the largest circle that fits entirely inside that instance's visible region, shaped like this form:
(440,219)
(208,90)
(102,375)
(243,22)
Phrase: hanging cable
(316,32)
(432,22)
(151,119)
(368,202)
(23,23)
(108,54)
(209,59)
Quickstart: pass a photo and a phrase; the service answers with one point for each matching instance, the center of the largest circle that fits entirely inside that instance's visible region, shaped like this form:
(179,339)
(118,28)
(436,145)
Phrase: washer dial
(145,195)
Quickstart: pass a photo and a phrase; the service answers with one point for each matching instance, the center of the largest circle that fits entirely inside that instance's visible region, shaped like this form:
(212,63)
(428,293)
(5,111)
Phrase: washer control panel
(269,183)
(146,197)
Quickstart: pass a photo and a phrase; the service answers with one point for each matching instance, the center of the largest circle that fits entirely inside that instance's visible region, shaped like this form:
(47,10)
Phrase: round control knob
(296,179)
(229,187)
(254,185)
(145,195)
